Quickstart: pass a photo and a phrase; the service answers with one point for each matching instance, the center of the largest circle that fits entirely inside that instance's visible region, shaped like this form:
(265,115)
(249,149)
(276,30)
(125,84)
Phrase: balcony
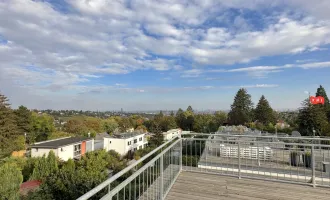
(215,166)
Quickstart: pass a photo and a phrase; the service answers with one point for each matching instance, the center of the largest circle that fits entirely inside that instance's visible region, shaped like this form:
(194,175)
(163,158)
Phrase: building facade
(64,148)
(125,143)
(172,133)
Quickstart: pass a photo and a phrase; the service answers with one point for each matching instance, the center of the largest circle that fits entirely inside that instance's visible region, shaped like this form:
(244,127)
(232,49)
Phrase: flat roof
(124,135)
(54,144)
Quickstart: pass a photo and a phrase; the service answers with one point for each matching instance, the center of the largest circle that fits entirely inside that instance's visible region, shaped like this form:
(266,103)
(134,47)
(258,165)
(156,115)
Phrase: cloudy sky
(162,54)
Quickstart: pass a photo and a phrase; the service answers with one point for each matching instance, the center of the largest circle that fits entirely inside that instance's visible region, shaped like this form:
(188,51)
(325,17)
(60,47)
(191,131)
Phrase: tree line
(59,179)
(310,118)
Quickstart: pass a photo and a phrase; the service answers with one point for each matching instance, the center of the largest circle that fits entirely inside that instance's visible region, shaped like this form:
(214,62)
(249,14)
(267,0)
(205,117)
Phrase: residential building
(172,133)
(64,148)
(125,143)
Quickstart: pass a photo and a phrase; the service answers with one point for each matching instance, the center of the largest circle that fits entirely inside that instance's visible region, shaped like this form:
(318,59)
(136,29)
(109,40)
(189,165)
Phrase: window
(77,150)
(135,141)
(140,147)
(134,149)
(110,142)
(140,139)
(129,143)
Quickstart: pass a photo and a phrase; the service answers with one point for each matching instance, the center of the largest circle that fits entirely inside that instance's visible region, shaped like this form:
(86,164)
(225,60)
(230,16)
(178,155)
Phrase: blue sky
(162,54)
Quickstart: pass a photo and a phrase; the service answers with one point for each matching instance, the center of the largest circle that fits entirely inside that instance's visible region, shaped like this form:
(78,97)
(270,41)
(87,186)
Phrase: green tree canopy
(312,117)
(45,166)
(42,125)
(241,109)
(11,178)
(110,125)
(190,109)
(220,118)
(8,128)
(264,113)
(76,126)
(321,92)
(180,118)
(204,123)
(23,119)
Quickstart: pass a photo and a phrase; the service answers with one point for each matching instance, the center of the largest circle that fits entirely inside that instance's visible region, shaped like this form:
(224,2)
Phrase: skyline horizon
(138,55)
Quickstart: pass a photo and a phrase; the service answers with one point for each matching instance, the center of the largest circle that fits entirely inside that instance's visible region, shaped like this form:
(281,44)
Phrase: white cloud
(305,60)
(262,71)
(315,65)
(46,50)
(260,86)
(120,84)
(191,73)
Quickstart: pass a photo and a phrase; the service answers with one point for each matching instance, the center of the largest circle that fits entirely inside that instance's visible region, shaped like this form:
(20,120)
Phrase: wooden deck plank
(201,186)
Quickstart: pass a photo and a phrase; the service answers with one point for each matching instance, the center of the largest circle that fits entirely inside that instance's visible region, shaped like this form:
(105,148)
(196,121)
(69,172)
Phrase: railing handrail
(124,183)
(122,172)
(259,142)
(260,136)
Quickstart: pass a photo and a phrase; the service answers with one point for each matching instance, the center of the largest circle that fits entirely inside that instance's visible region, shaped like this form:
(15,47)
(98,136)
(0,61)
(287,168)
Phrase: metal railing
(296,160)
(151,177)
(300,160)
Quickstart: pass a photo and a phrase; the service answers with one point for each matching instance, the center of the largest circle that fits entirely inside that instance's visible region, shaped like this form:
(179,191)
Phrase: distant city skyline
(156,55)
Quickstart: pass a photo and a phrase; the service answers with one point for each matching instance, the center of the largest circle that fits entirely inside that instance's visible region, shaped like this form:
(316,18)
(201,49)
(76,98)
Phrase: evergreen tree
(241,109)
(180,119)
(189,119)
(23,119)
(321,92)
(312,117)
(8,128)
(189,109)
(264,113)
(11,177)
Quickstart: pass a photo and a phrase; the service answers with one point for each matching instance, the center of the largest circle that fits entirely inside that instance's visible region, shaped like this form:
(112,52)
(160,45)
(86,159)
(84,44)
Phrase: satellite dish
(295,134)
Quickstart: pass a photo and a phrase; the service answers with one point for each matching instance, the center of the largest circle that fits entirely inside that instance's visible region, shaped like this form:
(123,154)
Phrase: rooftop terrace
(203,167)
(201,186)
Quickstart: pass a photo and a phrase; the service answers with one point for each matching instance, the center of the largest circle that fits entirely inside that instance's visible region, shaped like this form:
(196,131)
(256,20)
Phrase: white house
(124,143)
(64,148)
(172,133)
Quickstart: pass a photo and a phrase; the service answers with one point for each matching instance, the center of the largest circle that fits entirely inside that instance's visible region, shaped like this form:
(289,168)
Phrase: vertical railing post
(180,156)
(109,190)
(162,176)
(313,166)
(239,160)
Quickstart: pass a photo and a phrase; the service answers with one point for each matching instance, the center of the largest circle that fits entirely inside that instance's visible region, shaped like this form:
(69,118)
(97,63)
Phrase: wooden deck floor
(199,186)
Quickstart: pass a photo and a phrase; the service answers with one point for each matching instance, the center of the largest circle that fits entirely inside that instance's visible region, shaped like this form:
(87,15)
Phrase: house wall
(38,152)
(172,133)
(89,145)
(66,152)
(121,146)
